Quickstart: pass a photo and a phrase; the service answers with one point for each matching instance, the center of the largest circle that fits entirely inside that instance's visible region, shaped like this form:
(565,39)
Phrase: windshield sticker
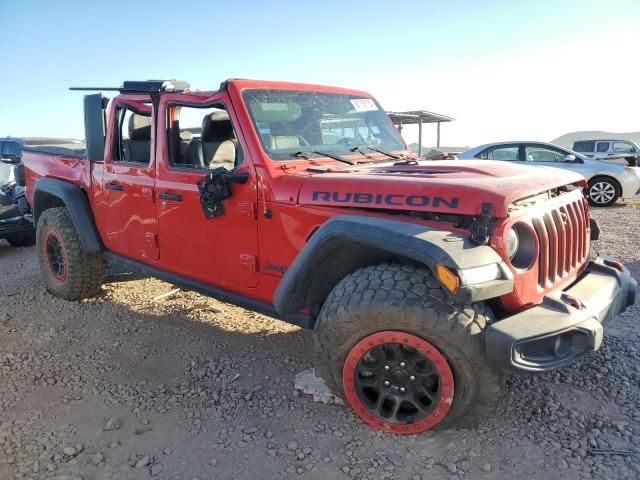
(363,104)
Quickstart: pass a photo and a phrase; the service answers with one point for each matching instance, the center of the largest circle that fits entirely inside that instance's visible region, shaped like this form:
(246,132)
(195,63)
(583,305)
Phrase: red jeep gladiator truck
(423,283)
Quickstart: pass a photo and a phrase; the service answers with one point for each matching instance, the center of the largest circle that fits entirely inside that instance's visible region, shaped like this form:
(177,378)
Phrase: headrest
(139,127)
(186,136)
(281,128)
(216,127)
(279,142)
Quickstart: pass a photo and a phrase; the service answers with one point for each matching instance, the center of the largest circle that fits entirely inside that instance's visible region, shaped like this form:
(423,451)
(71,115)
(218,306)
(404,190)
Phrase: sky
(505,70)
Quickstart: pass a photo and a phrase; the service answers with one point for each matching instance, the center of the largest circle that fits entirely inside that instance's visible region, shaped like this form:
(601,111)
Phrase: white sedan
(607,181)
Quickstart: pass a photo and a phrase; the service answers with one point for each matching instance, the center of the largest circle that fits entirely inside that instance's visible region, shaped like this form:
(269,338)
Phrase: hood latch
(482,227)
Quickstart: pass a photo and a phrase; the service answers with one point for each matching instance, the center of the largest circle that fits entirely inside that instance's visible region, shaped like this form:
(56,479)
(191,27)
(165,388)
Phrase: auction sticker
(364,104)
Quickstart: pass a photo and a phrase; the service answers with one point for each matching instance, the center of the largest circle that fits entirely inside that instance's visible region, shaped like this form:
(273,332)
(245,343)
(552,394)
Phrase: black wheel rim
(55,256)
(397,383)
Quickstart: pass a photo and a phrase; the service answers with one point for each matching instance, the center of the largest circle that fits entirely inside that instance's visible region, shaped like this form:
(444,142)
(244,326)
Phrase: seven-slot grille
(563,241)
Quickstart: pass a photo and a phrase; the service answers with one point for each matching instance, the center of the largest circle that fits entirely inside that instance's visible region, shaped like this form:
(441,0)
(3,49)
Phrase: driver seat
(217,144)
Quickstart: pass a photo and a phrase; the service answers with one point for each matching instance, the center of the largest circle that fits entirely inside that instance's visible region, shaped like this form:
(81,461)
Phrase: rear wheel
(406,359)
(25,240)
(603,191)
(69,271)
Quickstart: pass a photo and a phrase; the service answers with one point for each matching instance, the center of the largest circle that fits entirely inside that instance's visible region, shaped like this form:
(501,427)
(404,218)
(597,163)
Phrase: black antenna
(146,86)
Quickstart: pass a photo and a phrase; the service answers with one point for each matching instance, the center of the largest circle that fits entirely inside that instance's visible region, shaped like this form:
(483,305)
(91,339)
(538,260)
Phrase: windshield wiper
(388,154)
(324,154)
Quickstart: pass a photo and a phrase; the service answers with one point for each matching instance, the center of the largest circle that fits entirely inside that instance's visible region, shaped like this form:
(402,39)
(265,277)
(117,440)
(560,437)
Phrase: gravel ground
(123,387)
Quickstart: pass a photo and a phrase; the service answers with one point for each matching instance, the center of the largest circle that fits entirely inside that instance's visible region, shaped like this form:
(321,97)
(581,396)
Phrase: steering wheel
(345,141)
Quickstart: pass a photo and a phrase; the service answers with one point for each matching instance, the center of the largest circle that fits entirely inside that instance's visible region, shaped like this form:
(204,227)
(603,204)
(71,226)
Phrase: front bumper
(630,184)
(566,325)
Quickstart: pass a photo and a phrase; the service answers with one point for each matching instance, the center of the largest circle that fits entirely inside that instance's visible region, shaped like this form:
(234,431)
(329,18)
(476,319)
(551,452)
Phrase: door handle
(174,197)
(113,186)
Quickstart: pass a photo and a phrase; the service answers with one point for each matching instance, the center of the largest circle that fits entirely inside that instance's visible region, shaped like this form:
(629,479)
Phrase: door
(7,170)
(603,150)
(546,156)
(202,138)
(621,151)
(128,216)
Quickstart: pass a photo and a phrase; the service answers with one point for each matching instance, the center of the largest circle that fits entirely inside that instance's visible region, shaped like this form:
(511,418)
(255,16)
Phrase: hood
(443,186)
(602,166)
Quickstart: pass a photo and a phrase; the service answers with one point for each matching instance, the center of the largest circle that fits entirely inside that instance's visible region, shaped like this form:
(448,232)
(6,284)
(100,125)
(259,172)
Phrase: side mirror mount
(570,158)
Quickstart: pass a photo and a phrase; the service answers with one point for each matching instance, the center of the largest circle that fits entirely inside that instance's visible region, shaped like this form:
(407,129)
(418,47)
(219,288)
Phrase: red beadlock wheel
(398,382)
(55,256)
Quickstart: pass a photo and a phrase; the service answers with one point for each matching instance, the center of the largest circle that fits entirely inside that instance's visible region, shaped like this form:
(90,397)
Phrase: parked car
(423,282)
(606,181)
(16,225)
(618,151)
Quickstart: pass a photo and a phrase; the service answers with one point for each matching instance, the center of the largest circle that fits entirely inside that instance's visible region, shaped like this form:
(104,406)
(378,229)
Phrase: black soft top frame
(144,86)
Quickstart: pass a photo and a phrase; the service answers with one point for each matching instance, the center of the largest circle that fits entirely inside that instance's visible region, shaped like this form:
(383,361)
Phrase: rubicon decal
(389,199)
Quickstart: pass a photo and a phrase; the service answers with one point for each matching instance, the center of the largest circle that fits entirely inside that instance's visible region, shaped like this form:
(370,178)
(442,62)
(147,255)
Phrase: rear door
(508,152)
(201,137)
(603,150)
(127,218)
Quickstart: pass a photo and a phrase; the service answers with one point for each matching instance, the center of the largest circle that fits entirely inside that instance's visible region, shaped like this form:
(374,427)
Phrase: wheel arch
(606,176)
(346,243)
(51,192)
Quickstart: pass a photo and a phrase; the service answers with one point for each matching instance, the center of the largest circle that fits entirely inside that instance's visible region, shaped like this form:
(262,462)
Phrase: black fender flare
(51,192)
(345,243)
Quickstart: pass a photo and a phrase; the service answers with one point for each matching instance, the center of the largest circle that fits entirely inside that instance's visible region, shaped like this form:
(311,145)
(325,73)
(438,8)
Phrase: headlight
(521,246)
(513,242)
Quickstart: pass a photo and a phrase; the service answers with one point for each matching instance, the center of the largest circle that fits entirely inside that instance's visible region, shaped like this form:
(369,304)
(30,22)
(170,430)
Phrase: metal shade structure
(419,117)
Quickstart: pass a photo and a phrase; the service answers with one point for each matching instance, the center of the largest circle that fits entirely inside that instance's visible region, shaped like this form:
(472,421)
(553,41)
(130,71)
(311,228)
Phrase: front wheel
(405,358)
(69,271)
(603,192)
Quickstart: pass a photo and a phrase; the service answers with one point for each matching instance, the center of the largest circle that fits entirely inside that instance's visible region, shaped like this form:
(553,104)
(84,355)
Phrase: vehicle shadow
(634,268)
(7,249)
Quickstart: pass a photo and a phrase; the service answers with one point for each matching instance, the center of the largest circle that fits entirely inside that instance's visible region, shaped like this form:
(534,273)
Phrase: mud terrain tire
(408,298)
(69,271)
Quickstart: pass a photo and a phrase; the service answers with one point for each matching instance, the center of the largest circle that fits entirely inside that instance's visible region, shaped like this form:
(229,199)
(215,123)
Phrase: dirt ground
(122,387)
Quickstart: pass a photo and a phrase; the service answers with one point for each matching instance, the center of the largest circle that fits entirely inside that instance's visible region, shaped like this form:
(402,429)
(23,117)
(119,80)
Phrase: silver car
(607,181)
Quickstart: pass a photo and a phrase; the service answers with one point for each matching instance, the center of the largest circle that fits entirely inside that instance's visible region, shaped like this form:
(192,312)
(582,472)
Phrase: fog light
(485,273)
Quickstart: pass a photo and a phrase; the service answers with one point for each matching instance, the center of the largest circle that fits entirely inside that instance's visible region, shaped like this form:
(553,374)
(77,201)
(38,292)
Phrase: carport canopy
(419,117)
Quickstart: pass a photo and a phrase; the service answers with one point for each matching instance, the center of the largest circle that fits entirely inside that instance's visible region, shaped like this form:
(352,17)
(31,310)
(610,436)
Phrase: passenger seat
(138,147)
(281,138)
(185,139)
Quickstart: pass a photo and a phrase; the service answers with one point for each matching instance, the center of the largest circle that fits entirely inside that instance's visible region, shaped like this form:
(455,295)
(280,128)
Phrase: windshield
(289,122)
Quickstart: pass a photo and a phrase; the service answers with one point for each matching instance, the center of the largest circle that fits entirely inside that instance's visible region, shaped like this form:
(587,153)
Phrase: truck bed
(56,161)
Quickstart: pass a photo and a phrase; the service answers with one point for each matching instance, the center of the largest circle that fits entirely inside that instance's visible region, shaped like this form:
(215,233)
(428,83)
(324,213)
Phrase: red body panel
(270,217)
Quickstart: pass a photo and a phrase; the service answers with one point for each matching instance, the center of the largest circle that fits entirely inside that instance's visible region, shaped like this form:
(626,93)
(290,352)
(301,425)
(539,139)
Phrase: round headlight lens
(513,242)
